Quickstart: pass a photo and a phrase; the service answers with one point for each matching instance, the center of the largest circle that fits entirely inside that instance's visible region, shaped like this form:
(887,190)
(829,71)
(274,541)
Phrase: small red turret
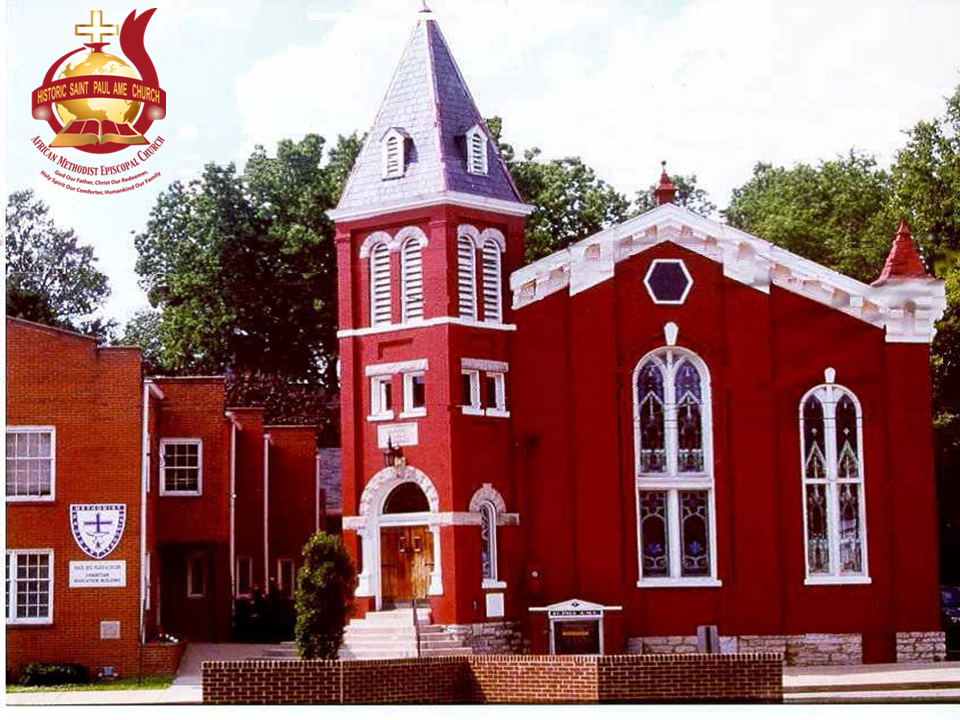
(666,191)
(903,262)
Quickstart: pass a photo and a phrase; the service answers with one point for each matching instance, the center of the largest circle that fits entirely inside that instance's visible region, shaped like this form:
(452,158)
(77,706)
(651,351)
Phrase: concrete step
(873,686)
(440,642)
(375,655)
(405,631)
(454,652)
(933,695)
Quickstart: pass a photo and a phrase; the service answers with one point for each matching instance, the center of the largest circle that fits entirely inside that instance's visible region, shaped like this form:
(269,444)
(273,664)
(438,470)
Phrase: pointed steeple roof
(429,101)
(903,262)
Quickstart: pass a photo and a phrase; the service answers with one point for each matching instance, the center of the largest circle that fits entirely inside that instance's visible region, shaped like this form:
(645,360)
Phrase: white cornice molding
(907,309)
(417,324)
(396,367)
(448,197)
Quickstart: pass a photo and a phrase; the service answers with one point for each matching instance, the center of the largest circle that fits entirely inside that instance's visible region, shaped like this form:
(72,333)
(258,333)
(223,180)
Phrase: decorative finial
(425,9)
(666,191)
(903,262)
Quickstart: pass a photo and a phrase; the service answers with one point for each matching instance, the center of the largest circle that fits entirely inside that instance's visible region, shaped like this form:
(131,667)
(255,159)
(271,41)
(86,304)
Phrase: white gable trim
(906,309)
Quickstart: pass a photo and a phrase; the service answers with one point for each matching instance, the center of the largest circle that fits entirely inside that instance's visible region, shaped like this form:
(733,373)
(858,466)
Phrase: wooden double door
(406,561)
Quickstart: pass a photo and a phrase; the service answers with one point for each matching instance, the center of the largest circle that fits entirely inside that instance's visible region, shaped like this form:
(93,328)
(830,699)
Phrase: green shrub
(325,585)
(37,674)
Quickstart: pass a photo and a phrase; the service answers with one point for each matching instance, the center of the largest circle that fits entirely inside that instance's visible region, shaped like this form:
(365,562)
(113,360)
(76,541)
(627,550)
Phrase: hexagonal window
(668,282)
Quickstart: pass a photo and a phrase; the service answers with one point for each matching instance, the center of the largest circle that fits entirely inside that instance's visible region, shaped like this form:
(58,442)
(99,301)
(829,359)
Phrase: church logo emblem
(97,528)
(105,103)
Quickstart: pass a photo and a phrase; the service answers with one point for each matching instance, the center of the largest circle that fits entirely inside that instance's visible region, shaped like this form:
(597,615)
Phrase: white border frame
(409,411)
(378,411)
(244,595)
(668,261)
(672,481)
(163,468)
(53,462)
(12,606)
(831,391)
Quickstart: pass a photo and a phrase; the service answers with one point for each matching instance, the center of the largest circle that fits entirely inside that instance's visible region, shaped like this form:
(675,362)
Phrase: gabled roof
(429,101)
(907,309)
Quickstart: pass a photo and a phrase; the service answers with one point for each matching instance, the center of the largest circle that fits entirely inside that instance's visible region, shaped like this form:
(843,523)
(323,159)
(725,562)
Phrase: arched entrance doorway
(406,546)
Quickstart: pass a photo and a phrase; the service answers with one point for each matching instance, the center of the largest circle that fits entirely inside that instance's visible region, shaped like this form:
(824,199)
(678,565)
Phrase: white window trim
(163,469)
(494,580)
(16,429)
(293,575)
(378,398)
(12,598)
(485,365)
(372,279)
(500,389)
(192,593)
(405,280)
(467,274)
(409,411)
(396,367)
(493,246)
(241,595)
(672,482)
(393,135)
(668,261)
(827,394)
(474,407)
(477,164)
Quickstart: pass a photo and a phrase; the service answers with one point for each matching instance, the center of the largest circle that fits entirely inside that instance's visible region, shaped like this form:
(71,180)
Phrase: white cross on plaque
(96,29)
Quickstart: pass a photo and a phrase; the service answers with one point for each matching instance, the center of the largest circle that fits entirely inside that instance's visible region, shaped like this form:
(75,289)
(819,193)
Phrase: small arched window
(476,151)
(492,305)
(831,431)
(380,305)
(467,277)
(674,476)
(393,153)
(488,541)
(411,279)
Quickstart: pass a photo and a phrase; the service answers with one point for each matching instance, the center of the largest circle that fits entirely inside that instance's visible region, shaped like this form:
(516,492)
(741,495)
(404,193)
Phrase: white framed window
(470,392)
(676,518)
(393,153)
(467,277)
(381,308)
(181,466)
(834,512)
(29,575)
(381,398)
(286,577)
(414,394)
(492,293)
(476,141)
(31,463)
(196,575)
(488,542)
(244,577)
(411,279)
(495,394)
(147,580)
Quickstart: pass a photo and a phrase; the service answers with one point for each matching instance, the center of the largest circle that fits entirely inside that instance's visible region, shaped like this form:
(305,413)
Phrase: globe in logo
(117,110)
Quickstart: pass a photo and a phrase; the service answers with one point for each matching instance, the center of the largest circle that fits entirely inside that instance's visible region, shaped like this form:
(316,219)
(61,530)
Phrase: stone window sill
(679,583)
(839,580)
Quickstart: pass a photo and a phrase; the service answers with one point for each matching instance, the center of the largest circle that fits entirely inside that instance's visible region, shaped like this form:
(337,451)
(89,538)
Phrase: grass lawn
(154,682)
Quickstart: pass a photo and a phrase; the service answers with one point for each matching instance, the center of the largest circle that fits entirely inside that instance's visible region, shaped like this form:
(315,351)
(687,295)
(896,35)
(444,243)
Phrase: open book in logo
(104,102)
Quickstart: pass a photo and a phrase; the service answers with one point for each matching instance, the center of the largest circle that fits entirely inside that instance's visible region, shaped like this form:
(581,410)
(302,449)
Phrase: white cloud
(713,86)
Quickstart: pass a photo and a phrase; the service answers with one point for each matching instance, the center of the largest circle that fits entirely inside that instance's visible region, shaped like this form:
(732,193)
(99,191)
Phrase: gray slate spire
(429,100)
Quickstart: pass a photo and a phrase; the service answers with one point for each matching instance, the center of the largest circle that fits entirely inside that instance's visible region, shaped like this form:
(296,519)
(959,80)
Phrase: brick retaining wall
(747,677)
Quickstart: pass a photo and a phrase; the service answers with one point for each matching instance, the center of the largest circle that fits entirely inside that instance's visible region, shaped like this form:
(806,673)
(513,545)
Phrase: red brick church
(670,436)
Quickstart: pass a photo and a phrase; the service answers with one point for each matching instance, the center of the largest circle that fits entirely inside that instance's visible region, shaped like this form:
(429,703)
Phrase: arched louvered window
(674,475)
(411,279)
(831,430)
(467,277)
(476,151)
(492,304)
(393,162)
(380,306)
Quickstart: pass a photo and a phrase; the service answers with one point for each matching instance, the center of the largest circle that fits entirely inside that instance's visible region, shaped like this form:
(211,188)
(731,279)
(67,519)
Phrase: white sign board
(400,435)
(103,573)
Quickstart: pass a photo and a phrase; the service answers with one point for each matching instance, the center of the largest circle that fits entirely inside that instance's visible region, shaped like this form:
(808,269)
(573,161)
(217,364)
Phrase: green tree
(837,213)
(325,585)
(570,201)
(242,266)
(51,277)
(689,195)
(144,330)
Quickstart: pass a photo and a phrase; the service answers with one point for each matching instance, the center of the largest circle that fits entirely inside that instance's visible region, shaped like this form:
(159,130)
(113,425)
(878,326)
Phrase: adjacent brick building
(213,504)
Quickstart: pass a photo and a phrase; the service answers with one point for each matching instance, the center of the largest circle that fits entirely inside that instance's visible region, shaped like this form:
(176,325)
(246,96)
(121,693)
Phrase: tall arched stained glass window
(674,477)
(831,427)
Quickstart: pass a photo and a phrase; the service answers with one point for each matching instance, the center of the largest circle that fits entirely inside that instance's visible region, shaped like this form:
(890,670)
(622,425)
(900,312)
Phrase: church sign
(98,528)
(105,573)
(576,626)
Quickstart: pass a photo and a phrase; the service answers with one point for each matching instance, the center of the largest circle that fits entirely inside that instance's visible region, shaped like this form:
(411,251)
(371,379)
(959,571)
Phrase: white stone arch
(493,235)
(487,493)
(374,238)
(470,232)
(383,483)
(410,232)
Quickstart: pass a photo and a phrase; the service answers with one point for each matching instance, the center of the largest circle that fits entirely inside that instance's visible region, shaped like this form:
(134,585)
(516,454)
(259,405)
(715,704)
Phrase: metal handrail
(416,622)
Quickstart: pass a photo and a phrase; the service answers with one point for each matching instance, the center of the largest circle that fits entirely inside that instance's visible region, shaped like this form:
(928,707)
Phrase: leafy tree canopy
(51,278)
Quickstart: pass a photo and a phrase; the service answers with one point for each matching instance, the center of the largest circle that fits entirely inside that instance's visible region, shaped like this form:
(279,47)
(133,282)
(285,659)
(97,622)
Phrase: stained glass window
(674,478)
(833,483)
(488,525)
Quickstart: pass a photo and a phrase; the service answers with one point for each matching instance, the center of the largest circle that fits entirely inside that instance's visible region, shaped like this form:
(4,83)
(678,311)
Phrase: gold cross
(96,28)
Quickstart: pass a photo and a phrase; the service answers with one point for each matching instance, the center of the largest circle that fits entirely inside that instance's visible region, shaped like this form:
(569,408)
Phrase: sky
(712,86)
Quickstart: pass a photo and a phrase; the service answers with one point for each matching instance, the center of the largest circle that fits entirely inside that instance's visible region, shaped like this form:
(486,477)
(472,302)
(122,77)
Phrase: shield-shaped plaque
(97,528)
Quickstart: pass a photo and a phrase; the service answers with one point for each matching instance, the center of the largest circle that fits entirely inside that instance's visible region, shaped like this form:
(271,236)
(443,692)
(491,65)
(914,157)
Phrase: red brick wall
(750,677)
(92,396)
(162,659)
(293,492)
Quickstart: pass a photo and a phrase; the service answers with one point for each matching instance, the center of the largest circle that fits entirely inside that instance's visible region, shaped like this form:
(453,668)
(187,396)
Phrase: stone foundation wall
(801,650)
(491,638)
(921,647)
